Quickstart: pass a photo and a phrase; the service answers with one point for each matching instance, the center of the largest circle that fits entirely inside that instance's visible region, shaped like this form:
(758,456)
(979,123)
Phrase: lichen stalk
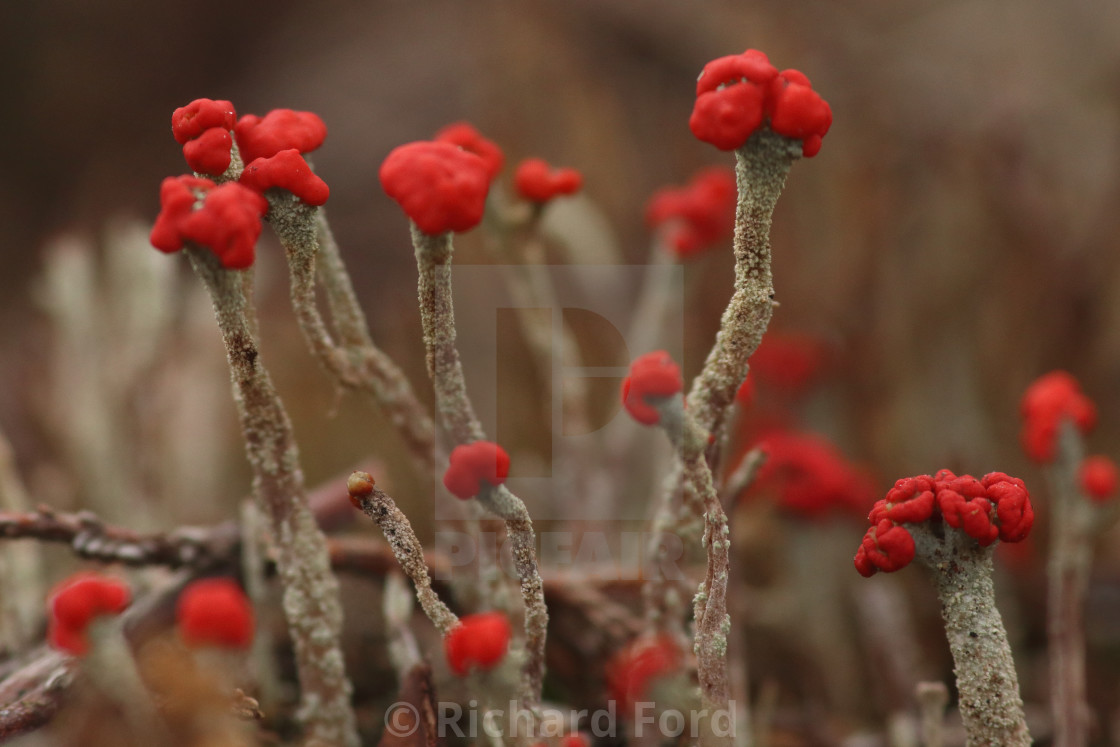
(761,167)
(379,506)
(457,416)
(988,686)
(507,506)
(1072,519)
(311,595)
(353,361)
(712,622)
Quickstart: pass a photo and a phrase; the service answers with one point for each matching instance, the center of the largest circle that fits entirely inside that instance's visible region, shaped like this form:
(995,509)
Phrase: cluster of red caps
(738,94)
(696,216)
(653,375)
(1049,402)
(226,218)
(808,476)
(471,465)
(210,612)
(442,184)
(993,507)
(479,641)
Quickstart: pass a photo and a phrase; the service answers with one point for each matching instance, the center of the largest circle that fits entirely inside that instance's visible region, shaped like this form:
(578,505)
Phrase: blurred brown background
(955,238)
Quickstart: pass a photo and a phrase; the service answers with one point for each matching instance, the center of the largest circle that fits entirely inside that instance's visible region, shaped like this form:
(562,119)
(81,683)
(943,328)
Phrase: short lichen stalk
(1072,520)
(987,684)
(762,165)
(379,506)
(311,595)
(437,315)
(353,361)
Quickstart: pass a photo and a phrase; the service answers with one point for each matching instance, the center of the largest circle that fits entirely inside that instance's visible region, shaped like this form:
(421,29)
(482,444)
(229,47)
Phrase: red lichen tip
(280,129)
(471,140)
(996,506)
(473,464)
(286,170)
(227,219)
(76,602)
(651,375)
(696,216)
(808,476)
(215,612)
(632,671)
(478,641)
(440,186)
(1098,477)
(1047,402)
(575,740)
(192,120)
(738,94)
(210,152)
(536,181)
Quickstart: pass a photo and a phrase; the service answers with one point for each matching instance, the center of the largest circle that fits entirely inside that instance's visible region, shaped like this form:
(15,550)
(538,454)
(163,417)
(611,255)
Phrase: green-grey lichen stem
(379,506)
(1075,524)
(353,361)
(988,686)
(311,596)
(761,167)
(457,416)
(712,622)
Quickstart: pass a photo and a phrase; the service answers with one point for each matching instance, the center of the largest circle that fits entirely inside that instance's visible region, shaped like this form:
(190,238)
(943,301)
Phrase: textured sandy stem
(311,597)
(712,622)
(504,504)
(437,315)
(761,167)
(380,507)
(1071,555)
(988,687)
(354,361)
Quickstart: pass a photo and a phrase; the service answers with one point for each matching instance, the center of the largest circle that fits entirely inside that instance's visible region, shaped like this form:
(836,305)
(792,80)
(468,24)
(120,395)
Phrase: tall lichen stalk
(988,686)
(311,601)
(457,416)
(1072,518)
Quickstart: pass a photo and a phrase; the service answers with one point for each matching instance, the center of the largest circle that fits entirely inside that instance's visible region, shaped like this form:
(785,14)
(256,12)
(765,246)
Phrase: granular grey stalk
(990,704)
(379,506)
(311,595)
(354,361)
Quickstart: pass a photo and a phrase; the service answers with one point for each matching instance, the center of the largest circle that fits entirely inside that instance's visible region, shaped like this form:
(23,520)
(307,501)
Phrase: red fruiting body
(469,139)
(76,602)
(788,362)
(536,181)
(209,153)
(632,670)
(575,740)
(994,507)
(441,187)
(1049,401)
(286,170)
(798,112)
(886,547)
(215,612)
(478,641)
(192,120)
(808,476)
(738,94)
(228,221)
(1098,477)
(697,215)
(280,129)
(651,375)
(472,464)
